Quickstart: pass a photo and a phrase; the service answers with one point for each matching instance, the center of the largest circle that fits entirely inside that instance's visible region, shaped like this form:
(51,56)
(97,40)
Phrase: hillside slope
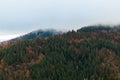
(91,53)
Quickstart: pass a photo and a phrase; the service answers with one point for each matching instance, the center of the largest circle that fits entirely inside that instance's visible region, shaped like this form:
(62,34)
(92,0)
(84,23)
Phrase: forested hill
(90,53)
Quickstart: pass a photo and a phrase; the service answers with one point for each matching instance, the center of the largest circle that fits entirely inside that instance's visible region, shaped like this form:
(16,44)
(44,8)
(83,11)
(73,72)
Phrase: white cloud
(7,37)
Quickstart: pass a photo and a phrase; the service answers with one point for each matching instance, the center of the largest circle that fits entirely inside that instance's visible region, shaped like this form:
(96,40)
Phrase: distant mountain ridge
(99,28)
(39,33)
(51,32)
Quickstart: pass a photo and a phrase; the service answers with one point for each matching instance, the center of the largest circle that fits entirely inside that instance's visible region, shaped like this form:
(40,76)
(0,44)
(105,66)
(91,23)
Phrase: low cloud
(7,37)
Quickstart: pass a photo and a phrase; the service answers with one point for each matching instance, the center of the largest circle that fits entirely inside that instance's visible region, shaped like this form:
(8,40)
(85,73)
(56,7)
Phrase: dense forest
(90,53)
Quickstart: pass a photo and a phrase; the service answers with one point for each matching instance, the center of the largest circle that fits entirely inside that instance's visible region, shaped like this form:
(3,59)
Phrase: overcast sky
(21,16)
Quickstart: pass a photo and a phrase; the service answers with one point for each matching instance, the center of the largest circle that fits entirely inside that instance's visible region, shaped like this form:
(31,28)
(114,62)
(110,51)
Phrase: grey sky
(22,16)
